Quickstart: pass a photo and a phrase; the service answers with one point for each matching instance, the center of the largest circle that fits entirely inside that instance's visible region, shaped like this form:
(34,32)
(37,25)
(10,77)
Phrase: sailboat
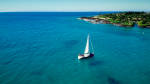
(87,52)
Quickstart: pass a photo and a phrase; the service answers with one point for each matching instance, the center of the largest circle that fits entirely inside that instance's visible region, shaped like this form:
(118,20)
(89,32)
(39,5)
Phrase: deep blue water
(42,48)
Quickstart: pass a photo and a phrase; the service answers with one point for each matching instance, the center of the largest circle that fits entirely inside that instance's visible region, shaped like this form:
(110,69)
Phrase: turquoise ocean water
(42,48)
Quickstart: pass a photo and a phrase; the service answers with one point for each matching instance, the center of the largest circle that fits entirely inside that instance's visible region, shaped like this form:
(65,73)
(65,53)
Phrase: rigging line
(92,46)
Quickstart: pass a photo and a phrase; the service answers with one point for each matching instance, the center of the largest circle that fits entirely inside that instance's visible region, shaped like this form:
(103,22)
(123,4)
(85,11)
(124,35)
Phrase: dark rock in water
(112,81)
(70,43)
(95,63)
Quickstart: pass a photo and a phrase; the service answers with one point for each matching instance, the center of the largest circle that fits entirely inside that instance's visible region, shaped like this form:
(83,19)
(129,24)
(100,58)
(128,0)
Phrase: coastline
(130,22)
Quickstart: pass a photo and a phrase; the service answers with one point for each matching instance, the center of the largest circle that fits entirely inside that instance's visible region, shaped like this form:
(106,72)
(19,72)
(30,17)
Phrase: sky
(74,5)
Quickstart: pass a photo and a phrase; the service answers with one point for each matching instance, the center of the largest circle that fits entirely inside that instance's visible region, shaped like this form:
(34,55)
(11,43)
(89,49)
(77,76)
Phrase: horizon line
(83,11)
(72,10)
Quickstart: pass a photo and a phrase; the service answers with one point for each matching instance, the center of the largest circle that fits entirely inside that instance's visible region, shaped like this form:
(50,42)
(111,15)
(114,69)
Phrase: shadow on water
(91,62)
(96,63)
(112,80)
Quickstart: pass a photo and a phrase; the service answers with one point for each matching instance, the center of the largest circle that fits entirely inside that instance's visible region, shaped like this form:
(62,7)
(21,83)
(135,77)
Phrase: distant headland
(124,19)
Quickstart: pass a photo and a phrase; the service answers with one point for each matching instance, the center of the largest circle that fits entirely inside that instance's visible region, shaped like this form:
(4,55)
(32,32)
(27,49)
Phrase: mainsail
(87,50)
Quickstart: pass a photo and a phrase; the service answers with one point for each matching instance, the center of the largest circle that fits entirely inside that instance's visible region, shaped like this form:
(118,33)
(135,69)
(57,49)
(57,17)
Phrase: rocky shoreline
(101,21)
(106,20)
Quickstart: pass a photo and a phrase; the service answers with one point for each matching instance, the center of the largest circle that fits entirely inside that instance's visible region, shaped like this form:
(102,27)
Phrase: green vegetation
(143,23)
(127,18)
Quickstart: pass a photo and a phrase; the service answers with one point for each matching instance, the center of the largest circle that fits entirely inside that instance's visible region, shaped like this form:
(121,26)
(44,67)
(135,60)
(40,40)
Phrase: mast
(87,50)
(92,46)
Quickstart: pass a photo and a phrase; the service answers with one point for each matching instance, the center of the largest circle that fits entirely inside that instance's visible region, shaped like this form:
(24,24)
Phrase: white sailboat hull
(83,56)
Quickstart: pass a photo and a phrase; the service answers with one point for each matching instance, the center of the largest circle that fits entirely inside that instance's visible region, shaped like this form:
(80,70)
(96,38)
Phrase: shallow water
(42,48)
